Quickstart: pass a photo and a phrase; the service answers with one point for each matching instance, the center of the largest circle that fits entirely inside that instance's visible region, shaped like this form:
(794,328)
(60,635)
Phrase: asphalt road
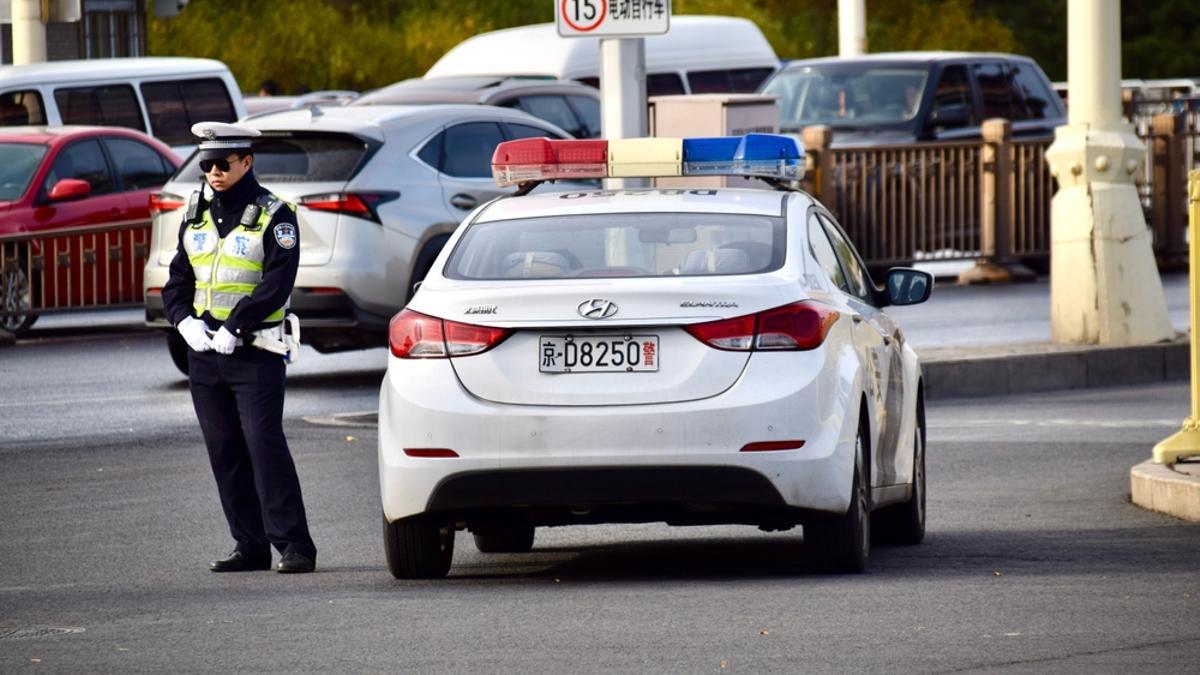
(1035,559)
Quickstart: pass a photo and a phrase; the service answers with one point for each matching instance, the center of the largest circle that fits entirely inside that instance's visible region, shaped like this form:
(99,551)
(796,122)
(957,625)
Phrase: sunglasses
(206,165)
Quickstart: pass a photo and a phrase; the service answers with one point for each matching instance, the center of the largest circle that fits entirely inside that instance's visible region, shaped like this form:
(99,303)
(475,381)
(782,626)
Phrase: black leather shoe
(241,562)
(295,563)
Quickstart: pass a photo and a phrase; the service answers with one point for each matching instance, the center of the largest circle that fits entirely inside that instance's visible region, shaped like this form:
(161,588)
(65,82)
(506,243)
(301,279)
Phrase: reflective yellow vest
(228,268)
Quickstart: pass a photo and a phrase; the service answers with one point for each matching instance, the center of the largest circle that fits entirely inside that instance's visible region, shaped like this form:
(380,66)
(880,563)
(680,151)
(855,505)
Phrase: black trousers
(239,401)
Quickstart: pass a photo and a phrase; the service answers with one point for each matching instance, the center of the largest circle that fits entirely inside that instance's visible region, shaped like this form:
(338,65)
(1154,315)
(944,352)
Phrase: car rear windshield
(285,157)
(619,245)
(18,163)
(848,95)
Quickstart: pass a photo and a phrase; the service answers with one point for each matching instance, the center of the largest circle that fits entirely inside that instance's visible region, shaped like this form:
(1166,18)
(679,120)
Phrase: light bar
(539,159)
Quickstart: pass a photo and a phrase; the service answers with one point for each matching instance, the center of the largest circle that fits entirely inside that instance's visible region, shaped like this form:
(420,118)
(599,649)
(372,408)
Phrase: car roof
(902,57)
(373,121)
(106,69)
(539,50)
(469,90)
(650,200)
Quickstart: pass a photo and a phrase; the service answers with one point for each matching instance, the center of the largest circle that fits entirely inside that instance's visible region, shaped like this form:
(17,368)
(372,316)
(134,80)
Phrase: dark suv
(904,97)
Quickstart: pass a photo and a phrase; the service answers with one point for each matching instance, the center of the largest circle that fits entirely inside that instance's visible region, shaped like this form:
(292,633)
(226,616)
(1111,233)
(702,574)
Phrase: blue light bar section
(765,155)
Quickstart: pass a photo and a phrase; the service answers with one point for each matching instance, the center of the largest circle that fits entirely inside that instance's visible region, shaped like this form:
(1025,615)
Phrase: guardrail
(76,268)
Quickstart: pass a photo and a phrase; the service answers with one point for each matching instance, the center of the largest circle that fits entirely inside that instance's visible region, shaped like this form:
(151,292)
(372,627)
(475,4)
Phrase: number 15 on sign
(612,18)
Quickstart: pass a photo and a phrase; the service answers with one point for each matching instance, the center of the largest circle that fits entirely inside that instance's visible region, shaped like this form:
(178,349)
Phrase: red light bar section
(530,159)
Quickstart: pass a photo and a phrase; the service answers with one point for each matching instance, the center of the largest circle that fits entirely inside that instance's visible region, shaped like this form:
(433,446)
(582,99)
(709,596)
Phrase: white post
(623,96)
(28,32)
(1104,283)
(852,28)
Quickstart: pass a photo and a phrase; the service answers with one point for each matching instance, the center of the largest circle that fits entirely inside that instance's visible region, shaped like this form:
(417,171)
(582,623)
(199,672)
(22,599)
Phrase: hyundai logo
(597,308)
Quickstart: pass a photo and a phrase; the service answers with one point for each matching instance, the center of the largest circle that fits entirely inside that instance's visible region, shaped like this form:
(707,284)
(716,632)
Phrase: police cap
(218,139)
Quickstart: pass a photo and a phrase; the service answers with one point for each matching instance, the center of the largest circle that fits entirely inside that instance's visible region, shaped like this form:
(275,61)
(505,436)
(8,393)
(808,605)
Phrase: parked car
(699,55)
(162,96)
(53,178)
(257,105)
(568,105)
(697,357)
(906,97)
(377,189)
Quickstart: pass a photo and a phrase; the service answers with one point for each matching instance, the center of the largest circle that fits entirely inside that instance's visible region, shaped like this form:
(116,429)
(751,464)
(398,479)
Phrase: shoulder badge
(285,235)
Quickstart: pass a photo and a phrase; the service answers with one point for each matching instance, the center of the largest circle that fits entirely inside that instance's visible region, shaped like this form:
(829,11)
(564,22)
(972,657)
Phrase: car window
(619,245)
(553,109)
(112,105)
(953,90)
(740,80)
(1033,98)
(664,84)
(175,106)
(431,154)
(138,166)
(856,272)
(297,157)
(83,160)
(467,149)
(526,131)
(995,90)
(850,95)
(18,163)
(588,111)
(823,251)
(21,107)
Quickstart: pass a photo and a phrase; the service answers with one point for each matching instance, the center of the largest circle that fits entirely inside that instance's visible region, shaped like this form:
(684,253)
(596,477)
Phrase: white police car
(691,355)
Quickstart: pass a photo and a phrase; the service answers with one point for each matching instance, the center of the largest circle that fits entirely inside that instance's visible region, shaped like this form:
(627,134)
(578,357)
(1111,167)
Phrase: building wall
(108,28)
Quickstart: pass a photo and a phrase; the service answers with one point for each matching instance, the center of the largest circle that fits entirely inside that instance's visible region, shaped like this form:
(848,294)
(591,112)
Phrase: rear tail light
(163,202)
(412,335)
(358,204)
(798,326)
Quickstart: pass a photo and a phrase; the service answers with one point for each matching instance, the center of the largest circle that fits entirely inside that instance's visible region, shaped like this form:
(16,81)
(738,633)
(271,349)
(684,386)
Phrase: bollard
(1186,442)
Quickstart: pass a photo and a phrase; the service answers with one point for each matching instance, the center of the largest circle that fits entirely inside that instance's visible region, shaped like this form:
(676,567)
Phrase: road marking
(96,399)
(1059,422)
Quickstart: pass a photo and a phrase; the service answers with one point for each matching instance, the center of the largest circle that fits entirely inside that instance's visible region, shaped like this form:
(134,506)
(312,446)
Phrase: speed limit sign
(609,18)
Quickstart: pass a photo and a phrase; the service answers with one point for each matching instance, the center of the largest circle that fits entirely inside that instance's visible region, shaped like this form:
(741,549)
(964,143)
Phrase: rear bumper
(622,463)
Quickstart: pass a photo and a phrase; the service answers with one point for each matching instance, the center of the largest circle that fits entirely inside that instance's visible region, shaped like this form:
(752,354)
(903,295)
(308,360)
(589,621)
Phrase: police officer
(229,283)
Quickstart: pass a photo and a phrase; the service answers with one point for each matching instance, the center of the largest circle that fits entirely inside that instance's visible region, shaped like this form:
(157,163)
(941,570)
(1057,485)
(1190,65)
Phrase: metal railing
(76,268)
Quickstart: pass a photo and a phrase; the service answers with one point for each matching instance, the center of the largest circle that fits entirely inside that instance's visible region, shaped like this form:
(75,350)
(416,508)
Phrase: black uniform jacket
(279,264)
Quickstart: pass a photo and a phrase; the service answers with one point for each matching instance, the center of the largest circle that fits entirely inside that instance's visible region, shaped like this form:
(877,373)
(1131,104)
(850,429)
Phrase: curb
(1039,367)
(1173,489)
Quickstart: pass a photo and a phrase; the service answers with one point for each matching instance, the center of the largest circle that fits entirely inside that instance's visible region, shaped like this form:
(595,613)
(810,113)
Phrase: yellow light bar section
(631,157)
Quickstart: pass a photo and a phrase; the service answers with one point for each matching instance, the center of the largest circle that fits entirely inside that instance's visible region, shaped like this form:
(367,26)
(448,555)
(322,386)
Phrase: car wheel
(904,523)
(16,294)
(511,539)
(178,349)
(419,547)
(844,542)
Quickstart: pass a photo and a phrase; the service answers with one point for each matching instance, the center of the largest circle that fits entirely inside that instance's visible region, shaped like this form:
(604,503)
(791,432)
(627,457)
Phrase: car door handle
(464,201)
(857,319)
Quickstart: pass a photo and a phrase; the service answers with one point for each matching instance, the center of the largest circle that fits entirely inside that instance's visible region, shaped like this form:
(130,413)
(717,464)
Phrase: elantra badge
(597,308)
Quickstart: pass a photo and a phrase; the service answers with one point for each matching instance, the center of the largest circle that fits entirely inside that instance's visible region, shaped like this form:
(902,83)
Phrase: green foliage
(362,44)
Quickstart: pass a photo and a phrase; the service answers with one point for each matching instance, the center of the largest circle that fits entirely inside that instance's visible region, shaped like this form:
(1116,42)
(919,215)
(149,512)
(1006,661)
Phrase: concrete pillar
(852,27)
(1104,286)
(29,32)
(623,96)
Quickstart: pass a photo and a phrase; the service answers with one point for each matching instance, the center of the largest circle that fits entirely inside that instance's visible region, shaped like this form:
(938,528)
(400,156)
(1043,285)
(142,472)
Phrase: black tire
(178,349)
(418,547)
(510,539)
(843,543)
(424,262)
(904,523)
(16,294)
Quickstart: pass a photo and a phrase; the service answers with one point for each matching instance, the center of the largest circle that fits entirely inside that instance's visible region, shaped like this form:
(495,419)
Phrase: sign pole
(623,96)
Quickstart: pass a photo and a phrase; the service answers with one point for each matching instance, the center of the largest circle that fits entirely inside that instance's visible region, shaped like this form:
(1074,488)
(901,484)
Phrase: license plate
(598,354)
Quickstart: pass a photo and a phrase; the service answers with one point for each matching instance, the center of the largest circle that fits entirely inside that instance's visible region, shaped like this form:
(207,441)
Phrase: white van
(161,96)
(699,55)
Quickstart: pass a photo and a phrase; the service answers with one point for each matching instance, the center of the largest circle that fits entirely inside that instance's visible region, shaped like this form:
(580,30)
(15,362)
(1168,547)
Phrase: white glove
(192,330)
(223,341)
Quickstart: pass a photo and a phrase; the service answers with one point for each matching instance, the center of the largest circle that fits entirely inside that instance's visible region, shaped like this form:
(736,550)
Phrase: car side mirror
(68,189)
(906,286)
(950,116)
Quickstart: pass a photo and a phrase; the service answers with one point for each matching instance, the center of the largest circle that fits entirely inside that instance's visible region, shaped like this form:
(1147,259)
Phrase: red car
(69,178)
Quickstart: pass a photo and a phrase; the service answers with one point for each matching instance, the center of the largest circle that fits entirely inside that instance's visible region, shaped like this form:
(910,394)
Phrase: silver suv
(377,190)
